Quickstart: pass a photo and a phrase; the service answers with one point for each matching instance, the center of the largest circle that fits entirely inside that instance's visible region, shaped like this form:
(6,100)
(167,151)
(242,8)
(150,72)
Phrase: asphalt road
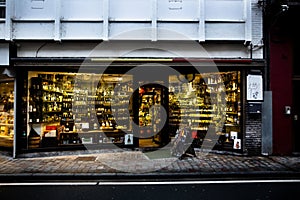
(212,189)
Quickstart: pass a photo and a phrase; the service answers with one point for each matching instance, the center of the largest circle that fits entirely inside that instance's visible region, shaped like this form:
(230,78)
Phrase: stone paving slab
(137,162)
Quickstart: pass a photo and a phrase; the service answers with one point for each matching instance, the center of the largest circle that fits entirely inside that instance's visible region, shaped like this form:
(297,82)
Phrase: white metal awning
(132,49)
(199,20)
(4,54)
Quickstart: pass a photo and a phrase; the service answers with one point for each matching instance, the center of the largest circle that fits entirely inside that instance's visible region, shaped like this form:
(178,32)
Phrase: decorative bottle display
(6,114)
(216,98)
(82,104)
(111,105)
(85,105)
(45,100)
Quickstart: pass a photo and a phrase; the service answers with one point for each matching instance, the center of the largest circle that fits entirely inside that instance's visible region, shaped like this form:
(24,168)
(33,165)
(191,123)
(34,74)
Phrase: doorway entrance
(151,115)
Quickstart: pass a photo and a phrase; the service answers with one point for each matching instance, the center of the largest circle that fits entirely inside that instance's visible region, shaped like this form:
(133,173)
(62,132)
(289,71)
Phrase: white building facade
(39,38)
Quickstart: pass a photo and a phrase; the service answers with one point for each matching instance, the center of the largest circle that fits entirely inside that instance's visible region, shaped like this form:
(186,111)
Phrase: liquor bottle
(88,112)
(50,108)
(37,119)
(30,108)
(100,139)
(30,117)
(103,124)
(67,127)
(95,126)
(70,115)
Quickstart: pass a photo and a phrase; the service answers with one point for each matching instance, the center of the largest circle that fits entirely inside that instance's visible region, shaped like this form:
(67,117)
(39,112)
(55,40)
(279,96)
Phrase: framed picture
(254,88)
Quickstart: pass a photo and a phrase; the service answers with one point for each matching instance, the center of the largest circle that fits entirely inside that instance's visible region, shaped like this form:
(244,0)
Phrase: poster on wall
(254,88)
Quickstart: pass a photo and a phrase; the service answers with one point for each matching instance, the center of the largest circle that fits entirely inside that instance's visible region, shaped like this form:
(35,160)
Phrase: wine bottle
(67,127)
(95,126)
(30,108)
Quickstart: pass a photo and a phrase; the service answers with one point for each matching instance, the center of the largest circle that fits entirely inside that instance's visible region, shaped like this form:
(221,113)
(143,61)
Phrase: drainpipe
(267,117)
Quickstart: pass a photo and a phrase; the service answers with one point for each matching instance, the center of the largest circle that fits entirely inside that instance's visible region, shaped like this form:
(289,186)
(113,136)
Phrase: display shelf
(1,124)
(91,137)
(200,113)
(44,123)
(81,103)
(6,127)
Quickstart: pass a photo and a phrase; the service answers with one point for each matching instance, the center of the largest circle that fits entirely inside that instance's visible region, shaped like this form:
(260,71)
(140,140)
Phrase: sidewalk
(99,164)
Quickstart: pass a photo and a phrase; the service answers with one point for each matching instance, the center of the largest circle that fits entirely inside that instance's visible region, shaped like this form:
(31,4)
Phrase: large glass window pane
(76,109)
(6,113)
(210,101)
(2,8)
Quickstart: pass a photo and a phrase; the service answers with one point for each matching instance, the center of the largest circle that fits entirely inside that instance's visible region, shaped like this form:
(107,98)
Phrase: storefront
(66,108)
(6,112)
(7,96)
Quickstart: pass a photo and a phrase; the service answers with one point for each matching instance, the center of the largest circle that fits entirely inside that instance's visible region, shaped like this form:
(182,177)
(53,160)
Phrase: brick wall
(253,133)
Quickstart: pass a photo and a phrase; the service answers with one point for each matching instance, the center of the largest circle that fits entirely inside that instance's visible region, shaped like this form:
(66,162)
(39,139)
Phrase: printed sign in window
(237,144)
(254,88)
(128,139)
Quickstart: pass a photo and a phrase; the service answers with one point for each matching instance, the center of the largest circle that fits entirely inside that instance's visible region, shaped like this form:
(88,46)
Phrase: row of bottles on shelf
(45,108)
(35,117)
(98,101)
(79,88)
(233,107)
(91,125)
(67,139)
(232,119)
(203,110)
(6,118)
(6,97)
(70,139)
(7,111)
(107,84)
(87,109)
(37,83)
(75,104)
(103,123)
(223,82)
(78,113)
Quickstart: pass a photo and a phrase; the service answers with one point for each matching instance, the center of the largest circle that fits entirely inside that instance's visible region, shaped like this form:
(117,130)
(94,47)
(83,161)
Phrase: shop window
(95,110)
(2,9)
(208,101)
(77,109)
(6,113)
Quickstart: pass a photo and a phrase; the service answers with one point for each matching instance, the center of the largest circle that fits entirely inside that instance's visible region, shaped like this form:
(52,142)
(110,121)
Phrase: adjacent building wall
(62,28)
(281,69)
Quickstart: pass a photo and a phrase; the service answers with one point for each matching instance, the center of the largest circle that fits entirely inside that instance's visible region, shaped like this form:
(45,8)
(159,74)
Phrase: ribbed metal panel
(110,20)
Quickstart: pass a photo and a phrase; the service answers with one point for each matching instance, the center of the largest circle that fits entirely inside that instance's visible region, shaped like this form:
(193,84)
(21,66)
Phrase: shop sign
(254,88)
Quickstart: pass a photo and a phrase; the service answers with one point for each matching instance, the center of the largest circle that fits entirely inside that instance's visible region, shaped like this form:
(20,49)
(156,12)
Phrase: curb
(261,175)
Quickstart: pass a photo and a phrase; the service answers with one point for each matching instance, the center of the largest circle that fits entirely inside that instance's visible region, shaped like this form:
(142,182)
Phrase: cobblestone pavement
(137,162)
